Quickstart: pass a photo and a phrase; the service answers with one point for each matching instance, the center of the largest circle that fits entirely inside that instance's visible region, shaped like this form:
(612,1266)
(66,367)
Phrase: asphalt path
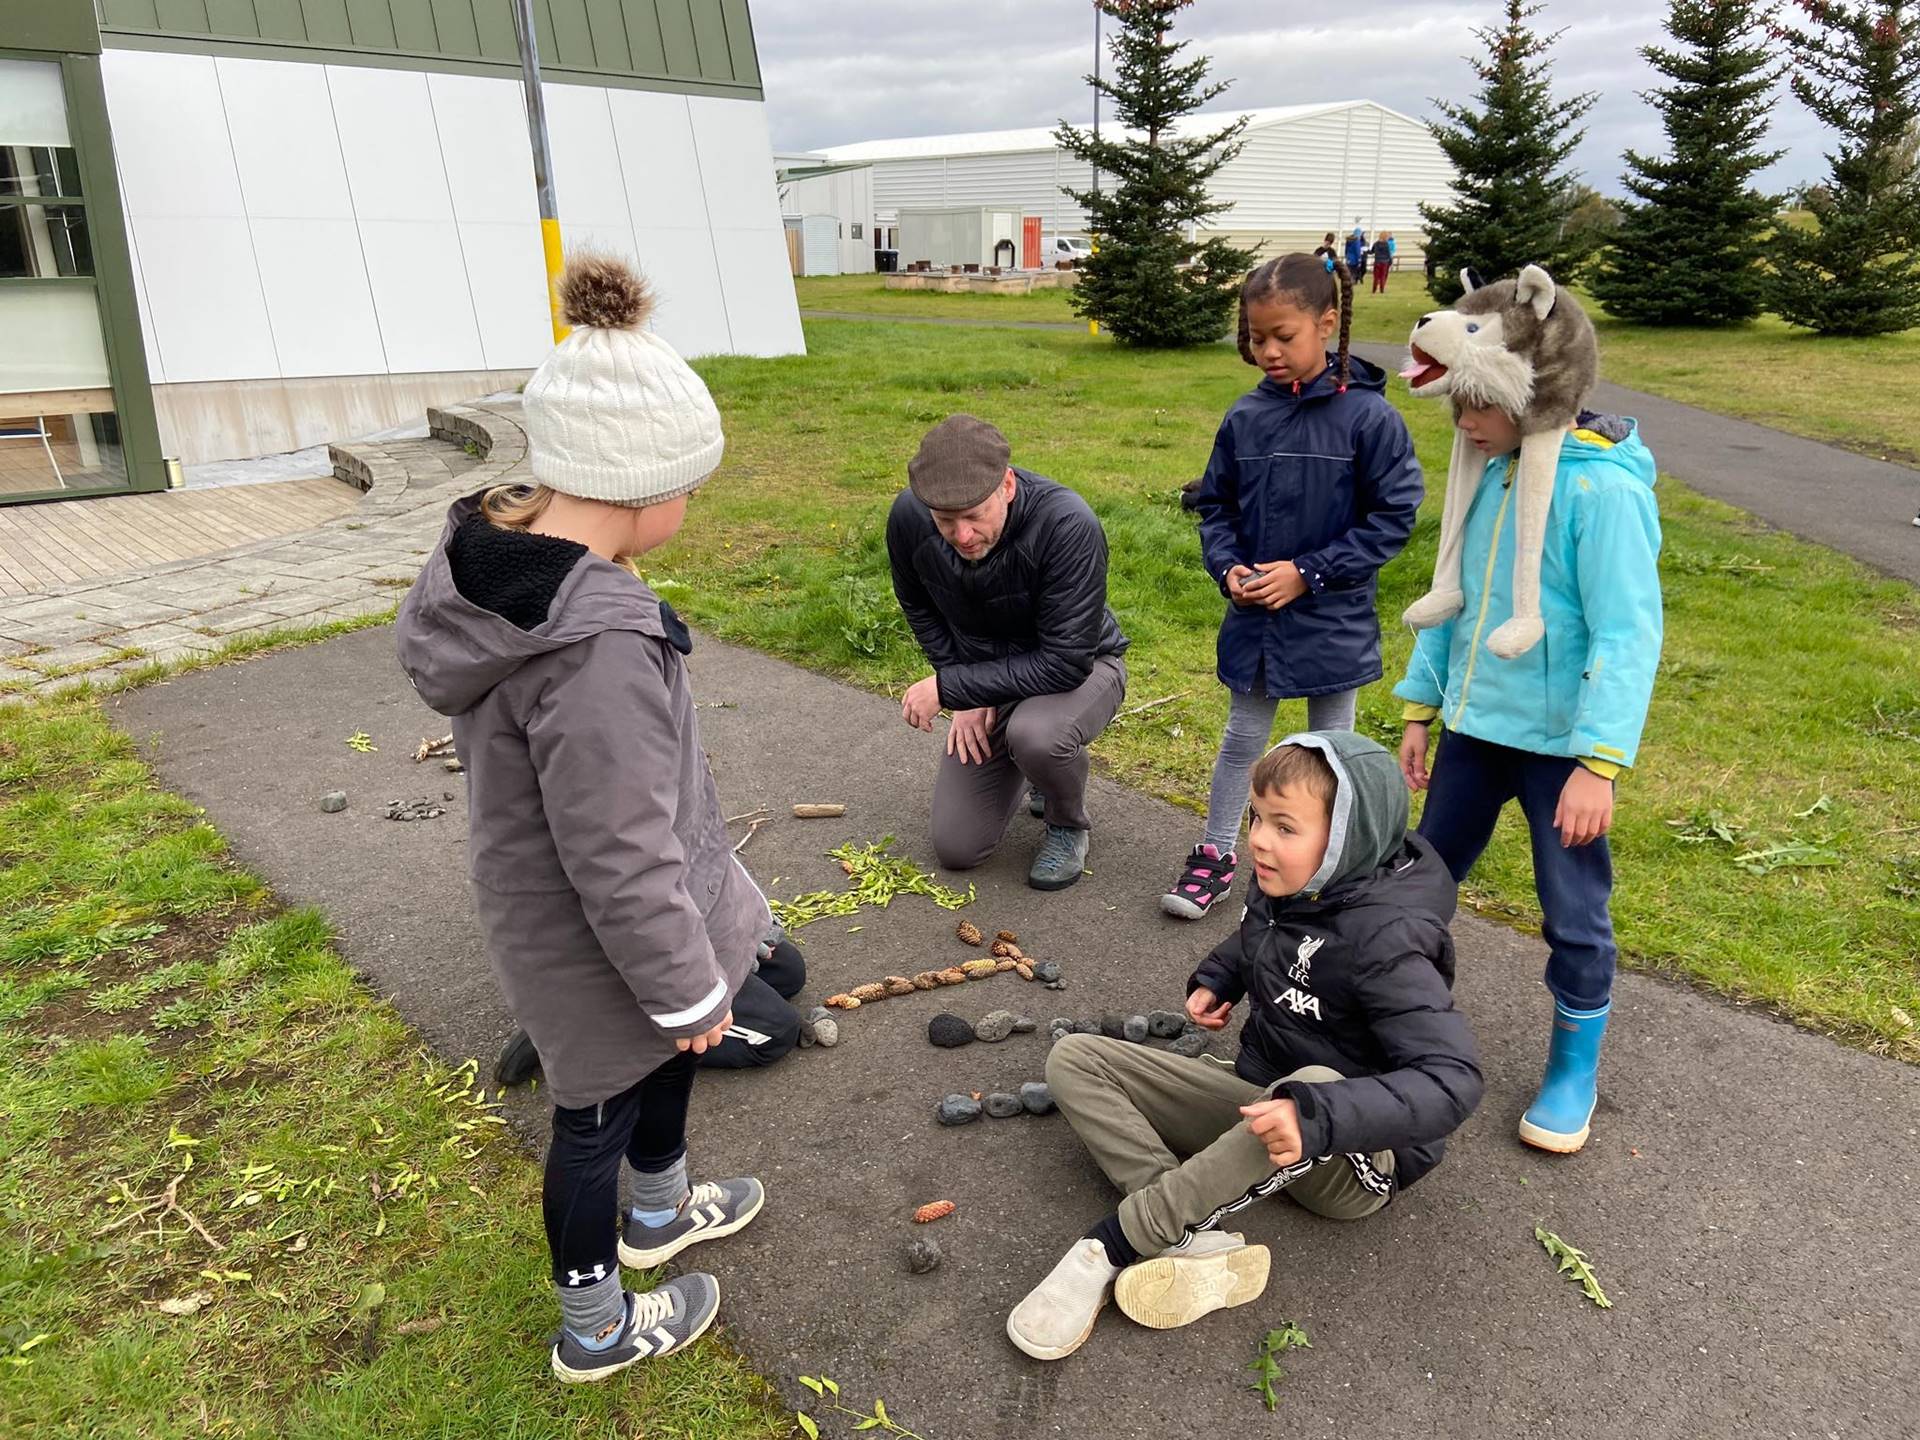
(1747,1198)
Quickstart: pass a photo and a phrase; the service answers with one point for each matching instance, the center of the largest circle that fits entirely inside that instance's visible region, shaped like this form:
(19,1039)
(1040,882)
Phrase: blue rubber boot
(1558,1119)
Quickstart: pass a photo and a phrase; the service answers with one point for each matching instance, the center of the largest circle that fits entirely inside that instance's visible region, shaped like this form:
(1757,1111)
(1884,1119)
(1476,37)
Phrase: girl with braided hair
(1311,488)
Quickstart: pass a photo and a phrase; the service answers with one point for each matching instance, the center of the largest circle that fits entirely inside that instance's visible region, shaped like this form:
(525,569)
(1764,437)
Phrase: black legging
(647,1123)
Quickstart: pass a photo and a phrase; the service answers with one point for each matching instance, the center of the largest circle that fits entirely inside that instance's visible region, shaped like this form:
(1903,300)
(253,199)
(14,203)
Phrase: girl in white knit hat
(616,918)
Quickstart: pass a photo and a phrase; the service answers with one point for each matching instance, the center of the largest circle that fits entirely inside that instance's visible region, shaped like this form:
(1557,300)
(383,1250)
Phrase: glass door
(59,427)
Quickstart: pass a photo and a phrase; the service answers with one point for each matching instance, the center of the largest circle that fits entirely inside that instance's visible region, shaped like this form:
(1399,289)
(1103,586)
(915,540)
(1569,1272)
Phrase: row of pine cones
(1006,956)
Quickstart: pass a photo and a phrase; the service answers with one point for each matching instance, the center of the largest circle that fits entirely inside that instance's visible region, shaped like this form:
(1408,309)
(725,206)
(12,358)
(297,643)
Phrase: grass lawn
(1862,394)
(1785,735)
(356,1248)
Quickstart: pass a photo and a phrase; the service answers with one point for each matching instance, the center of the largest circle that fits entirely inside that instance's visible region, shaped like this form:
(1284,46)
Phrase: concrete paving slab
(1747,1198)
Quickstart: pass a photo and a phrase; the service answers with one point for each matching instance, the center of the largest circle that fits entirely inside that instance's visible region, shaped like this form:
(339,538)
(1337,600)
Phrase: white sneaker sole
(660,1254)
(1174,1290)
(567,1375)
(1052,1352)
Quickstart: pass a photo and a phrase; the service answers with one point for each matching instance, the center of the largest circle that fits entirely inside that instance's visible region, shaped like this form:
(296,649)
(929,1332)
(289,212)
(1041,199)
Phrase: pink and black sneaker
(1208,876)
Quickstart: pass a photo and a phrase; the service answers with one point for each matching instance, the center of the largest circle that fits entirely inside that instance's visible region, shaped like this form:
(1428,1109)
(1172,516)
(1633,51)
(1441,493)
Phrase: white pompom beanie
(614,413)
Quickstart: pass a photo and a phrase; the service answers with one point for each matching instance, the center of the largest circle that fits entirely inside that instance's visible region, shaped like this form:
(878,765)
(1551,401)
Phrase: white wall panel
(658,161)
(508,278)
(587,182)
(170,134)
(488,159)
(149,335)
(208,314)
(285,147)
(690,312)
(420,294)
(758,284)
(393,154)
(602,240)
(318,298)
(736,163)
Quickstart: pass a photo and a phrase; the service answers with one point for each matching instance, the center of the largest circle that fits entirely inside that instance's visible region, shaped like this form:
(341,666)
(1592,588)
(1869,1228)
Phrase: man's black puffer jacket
(1356,973)
(1028,618)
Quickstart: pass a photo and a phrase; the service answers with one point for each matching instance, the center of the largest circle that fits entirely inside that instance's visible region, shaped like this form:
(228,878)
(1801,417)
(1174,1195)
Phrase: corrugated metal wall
(696,41)
(1029,182)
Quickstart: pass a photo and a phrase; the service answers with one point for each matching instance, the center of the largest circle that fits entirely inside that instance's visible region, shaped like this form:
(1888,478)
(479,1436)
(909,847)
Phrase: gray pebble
(333,802)
(1056,985)
(1113,1026)
(949,1031)
(826,1032)
(1189,1028)
(1059,1035)
(1024,1025)
(1086,1027)
(1165,1024)
(1060,1022)
(1188,1045)
(1000,1105)
(994,1025)
(1047,971)
(1037,1098)
(1134,1028)
(923,1254)
(959,1110)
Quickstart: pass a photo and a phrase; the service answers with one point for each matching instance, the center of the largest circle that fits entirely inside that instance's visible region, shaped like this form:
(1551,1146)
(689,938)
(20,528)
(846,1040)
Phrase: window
(859,231)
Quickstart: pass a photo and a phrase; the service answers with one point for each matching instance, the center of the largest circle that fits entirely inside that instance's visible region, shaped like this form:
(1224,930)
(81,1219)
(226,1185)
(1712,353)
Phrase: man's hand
(921,703)
(700,1044)
(1413,754)
(1278,585)
(1585,812)
(1208,1010)
(971,735)
(1276,1125)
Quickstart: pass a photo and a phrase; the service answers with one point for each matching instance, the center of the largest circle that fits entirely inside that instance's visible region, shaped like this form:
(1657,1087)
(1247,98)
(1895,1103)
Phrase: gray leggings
(1249,724)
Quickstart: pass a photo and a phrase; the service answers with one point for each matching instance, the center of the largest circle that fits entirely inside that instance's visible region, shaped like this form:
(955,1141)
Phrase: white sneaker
(1059,1313)
(1208,1271)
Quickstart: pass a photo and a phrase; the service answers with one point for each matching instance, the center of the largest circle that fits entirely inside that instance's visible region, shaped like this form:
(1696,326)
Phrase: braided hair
(1315,283)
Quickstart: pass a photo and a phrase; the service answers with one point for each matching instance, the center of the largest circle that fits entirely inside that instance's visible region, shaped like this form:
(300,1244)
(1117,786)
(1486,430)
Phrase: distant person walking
(1356,250)
(1382,263)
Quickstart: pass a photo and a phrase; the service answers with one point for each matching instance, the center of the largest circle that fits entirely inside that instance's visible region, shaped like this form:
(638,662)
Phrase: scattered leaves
(362,742)
(186,1304)
(876,879)
(1574,1265)
(1265,1364)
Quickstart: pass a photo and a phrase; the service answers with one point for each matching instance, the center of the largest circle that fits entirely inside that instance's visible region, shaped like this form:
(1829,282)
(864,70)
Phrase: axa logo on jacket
(1300,1002)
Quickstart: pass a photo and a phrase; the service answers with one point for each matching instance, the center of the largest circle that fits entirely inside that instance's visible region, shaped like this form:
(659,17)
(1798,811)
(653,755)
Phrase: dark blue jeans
(1472,782)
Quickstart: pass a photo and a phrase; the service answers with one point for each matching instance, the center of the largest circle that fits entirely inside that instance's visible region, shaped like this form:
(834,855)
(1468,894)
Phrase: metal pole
(1093,326)
(550,247)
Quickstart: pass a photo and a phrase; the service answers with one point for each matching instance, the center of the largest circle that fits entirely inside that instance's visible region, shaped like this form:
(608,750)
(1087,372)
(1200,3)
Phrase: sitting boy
(1354,1066)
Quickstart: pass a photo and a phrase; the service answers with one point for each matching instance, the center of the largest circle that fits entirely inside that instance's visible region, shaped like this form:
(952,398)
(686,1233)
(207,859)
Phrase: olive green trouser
(1136,1109)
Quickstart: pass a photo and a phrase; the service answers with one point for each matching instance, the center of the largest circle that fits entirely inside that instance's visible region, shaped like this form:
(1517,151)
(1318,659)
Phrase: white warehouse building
(1304,170)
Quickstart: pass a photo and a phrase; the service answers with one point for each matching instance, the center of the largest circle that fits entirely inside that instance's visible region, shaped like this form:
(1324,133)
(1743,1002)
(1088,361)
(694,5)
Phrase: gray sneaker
(709,1212)
(1037,803)
(658,1323)
(1063,855)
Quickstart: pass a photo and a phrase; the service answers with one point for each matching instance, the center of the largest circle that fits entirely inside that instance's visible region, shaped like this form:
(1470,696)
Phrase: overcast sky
(843,72)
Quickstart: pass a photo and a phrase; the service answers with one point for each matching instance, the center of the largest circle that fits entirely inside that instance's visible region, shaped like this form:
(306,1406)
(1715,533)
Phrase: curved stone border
(353,566)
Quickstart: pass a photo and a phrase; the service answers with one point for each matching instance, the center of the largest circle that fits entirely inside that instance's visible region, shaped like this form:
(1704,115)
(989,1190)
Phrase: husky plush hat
(1526,347)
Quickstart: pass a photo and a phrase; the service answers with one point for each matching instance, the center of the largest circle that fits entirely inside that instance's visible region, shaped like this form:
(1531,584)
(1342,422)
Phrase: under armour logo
(574,1277)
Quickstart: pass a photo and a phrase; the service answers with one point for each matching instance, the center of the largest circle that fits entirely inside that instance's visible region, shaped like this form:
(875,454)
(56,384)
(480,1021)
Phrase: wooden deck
(49,545)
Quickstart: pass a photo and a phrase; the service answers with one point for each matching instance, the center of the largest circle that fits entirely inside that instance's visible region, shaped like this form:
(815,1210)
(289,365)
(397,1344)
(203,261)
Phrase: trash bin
(886,261)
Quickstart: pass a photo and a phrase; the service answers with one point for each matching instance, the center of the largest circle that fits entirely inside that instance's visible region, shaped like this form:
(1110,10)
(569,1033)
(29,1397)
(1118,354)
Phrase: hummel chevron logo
(704,1215)
(1300,1002)
(655,1342)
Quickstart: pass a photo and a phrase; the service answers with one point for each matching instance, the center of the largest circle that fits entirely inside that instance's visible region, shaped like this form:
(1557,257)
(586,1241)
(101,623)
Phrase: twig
(428,749)
(753,829)
(1154,704)
(168,1203)
(830,811)
(758,812)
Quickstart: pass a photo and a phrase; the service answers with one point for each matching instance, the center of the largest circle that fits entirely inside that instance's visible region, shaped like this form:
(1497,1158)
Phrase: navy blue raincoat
(1330,482)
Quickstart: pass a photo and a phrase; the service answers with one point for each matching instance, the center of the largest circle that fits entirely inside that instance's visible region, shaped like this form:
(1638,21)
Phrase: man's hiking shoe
(1210,1270)
(519,1062)
(709,1212)
(1063,855)
(1190,495)
(658,1323)
(1059,1313)
(1037,803)
(1207,877)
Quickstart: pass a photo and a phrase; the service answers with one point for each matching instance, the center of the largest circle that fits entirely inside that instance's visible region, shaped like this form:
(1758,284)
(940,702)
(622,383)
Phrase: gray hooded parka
(616,917)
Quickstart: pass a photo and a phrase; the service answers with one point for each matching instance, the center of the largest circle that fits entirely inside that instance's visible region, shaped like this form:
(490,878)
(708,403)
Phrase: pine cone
(1008,936)
(980,969)
(935,1210)
(952,975)
(1005,950)
(927,980)
(969,933)
(864,993)
(898,985)
(846,867)
(1024,970)
(843,1002)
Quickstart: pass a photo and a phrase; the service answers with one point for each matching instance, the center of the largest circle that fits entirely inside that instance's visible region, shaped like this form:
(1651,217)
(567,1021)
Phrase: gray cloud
(841,73)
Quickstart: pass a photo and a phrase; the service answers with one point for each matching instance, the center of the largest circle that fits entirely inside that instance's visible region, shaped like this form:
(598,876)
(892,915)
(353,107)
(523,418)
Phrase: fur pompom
(604,293)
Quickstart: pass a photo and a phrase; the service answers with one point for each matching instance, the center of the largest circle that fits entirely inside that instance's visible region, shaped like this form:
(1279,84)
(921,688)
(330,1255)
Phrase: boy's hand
(921,703)
(1276,1125)
(700,1044)
(1585,812)
(1237,578)
(971,735)
(1279,584)
(1413,754)
(1208,1010)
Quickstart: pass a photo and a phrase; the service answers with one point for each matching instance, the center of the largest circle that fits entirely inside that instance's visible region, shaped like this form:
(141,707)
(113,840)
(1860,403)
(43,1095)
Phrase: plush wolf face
(1522,345)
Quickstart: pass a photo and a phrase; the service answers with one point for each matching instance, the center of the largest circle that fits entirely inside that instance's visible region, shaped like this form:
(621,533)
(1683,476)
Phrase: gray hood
(455,651)
(1369,806)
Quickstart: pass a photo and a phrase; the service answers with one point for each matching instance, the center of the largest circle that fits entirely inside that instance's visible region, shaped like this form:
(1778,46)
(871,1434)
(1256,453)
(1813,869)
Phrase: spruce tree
(1688,252)
(1856,269)
(1511,198)
(1148,282)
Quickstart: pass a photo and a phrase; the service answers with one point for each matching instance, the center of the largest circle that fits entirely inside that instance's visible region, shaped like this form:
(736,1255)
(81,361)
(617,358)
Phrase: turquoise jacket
(1583,690)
